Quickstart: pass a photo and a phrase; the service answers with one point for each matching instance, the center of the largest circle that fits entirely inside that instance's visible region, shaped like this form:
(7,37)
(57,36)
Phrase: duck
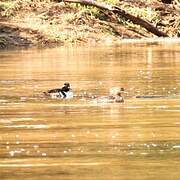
(115,96)
(118,98)
(60,93)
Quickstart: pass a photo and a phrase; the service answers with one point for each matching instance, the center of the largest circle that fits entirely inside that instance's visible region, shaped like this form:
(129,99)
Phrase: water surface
(82,138)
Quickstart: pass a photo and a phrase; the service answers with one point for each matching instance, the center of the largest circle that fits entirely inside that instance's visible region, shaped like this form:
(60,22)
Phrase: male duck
(63,93)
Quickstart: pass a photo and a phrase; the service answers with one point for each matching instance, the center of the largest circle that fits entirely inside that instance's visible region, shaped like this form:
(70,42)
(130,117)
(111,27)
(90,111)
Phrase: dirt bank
(44,23)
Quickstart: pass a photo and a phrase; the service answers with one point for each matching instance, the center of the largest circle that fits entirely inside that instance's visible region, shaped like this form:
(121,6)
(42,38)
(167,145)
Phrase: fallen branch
(115,9)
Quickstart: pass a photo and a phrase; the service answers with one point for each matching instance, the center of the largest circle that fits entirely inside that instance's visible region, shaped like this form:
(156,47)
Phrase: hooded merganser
(115,96)
(63,92)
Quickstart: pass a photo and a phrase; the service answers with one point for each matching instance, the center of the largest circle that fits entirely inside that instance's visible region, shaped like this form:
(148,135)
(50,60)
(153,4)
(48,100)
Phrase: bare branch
(115,9)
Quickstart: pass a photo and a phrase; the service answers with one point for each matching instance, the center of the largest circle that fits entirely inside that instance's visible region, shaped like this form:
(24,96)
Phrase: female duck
(114,97)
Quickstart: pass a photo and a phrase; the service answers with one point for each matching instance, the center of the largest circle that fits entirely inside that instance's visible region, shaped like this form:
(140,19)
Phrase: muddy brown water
(83,138)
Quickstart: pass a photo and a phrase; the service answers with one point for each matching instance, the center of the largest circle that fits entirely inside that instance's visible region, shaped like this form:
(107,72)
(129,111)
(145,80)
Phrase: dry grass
(163,16)
(72,24)
(45,22)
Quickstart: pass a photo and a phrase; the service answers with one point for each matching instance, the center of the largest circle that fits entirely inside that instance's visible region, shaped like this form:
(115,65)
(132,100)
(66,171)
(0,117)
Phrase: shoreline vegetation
(51,23)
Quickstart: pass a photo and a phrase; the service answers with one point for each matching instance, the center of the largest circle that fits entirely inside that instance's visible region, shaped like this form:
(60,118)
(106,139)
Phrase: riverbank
(45,23)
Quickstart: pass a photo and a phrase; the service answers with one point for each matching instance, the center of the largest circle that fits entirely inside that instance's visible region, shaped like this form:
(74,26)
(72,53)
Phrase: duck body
(110,99)
(61,93)
(115,96)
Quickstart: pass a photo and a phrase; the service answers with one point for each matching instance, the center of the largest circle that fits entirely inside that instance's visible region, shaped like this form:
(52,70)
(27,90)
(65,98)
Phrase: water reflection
(69,139)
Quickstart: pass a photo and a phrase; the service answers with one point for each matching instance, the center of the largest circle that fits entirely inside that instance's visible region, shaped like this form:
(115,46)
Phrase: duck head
(115,90)
(66,84)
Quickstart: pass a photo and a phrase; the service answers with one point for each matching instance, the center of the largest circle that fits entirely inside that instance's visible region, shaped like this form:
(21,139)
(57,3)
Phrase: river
(82,138)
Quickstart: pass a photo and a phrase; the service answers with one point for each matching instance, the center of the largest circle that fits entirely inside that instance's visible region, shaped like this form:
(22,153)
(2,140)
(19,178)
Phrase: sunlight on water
(85,137)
